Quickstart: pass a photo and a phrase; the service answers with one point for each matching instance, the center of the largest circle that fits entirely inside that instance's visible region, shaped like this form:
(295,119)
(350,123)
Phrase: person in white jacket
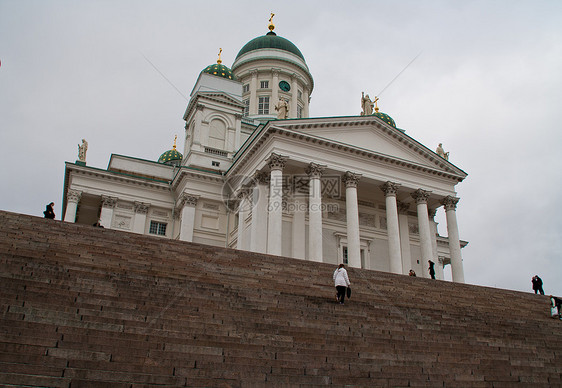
(341,282)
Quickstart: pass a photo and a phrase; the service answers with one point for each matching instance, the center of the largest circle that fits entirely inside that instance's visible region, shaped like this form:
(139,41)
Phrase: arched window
(217,134)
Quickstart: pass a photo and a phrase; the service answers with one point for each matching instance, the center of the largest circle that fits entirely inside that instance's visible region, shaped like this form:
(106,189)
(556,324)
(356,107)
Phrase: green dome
(171,157)
(386,118)
(219,70)
(270,40)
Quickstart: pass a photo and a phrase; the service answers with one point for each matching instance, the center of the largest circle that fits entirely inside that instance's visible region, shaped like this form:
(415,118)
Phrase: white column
(139,223)
(275,87)
(238,133)
(404,227)
(72,199)
(197,130)
(314,171)
(254,93)
(457,270)
(421,197)
(352,208)
(306,101)
(258,229)
(294,89)
(243,209)
(433,233)
(299,229)
(393,231)
(275,221)
(107,206)
(187,203)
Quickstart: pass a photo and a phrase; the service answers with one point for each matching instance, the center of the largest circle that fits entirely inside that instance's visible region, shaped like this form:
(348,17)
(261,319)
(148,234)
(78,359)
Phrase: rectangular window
(300,94)
(263,105)
(299,111)
(246,103)
(246,88)
(345,255)
(264,84)
(158,228)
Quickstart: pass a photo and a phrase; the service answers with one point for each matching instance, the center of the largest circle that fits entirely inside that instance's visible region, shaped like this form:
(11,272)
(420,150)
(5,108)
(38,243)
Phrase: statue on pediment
(82,148)
(441,152)
(366,105)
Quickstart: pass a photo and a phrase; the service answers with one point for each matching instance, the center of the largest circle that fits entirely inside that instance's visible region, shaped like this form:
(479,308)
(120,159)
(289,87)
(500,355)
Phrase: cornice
(186,173)
(289,129)
(117,176)
(225,99)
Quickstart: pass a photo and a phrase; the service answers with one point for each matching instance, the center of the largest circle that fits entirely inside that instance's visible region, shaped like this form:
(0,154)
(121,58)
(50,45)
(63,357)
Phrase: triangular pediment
(374,136)
(212,97)
(220,97)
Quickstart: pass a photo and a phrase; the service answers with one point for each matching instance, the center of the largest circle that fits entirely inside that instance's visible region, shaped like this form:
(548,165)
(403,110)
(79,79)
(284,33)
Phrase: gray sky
(488,85)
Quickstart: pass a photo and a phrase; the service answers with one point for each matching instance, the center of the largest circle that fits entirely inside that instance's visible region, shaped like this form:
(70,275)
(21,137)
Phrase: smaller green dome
(386,118)
(219,70)
(171,157)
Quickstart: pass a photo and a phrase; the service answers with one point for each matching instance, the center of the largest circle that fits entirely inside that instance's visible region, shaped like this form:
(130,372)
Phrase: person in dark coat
(537,284)
(49,213)
(431,269)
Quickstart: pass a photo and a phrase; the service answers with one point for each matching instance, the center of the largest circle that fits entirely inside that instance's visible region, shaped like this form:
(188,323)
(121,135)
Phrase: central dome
(270,40)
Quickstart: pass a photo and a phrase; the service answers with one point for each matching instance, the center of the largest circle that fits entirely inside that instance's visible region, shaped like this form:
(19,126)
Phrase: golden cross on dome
(271,25)
(219,61)
(175,138)
(376,107)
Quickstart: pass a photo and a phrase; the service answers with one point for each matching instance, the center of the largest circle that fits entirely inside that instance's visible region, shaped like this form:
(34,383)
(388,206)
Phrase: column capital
(276,161)
(73,196)
(200,107)
(390,188)
(254,72)
(351,179)
(186,199)
(275,72)
(421,196)
(450,202)
(107,201)
(141,207)
(314,170)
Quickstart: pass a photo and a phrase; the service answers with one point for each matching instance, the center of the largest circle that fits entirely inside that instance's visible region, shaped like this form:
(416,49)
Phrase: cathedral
(256,173)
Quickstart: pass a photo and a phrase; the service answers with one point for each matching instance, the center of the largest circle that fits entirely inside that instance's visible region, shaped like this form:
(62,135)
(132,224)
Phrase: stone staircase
(90,307)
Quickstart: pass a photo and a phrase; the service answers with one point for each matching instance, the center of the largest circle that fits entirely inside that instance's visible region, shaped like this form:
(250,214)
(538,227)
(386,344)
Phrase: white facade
(344,189)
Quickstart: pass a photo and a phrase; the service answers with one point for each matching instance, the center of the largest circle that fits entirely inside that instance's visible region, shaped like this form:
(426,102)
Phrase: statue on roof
(441,152)
(282,109)
(366,105)
(82,148)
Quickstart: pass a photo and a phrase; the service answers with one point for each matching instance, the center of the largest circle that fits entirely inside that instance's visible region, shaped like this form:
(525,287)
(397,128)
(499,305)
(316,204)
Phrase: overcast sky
(487,84)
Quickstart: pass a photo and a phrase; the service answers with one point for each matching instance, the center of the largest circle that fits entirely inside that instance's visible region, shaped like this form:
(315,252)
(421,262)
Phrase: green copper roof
(270,40)
(170,157)
(219,70)
(386,118)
